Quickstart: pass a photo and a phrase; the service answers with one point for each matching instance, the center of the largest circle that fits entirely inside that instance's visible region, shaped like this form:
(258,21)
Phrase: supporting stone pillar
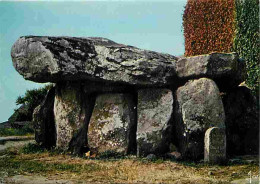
(215,145)
(43,121)
(72,110)
(198,107)
(154,111)
(112,126)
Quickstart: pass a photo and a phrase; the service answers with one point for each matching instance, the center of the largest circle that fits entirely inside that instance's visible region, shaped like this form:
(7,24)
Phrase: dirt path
(14,141)
(21,179)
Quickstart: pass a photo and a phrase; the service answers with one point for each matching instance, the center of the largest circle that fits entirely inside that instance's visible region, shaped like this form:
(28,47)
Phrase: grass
(25,131)
(33,160)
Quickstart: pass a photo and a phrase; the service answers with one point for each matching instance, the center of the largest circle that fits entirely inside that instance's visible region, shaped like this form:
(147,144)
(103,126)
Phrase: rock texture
(43,121)
(112,126)
(198,107)
(215,145)
(72,110)
(154,111)
(242,122)
(52,59)
(218,66)
(111,97)
(55,59)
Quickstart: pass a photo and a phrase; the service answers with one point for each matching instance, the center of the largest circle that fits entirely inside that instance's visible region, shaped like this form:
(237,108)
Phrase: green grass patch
(110,155)
(32,148)
(16,132)
(13,165)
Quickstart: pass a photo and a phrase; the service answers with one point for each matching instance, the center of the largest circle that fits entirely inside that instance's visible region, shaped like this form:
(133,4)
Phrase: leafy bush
(224,26)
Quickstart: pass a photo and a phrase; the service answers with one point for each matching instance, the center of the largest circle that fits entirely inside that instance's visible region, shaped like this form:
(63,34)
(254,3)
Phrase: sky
(153,25)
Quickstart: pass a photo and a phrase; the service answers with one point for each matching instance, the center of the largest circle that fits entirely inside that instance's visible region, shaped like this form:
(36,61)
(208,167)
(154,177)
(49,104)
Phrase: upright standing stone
(69,111)
(215,145)
(113,124)
(242,122)
(43,121)
(198,107)
(154,111)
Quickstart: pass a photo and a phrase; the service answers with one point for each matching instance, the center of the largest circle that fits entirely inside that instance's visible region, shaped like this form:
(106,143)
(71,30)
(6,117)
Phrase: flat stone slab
(54,59)
(225,67)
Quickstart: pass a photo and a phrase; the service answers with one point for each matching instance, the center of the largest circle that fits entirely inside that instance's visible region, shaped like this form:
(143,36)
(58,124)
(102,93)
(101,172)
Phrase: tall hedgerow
(246,42)
(208,26)
(224,26)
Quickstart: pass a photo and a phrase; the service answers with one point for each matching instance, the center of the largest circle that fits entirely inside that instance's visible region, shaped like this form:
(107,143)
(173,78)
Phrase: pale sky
(153,25)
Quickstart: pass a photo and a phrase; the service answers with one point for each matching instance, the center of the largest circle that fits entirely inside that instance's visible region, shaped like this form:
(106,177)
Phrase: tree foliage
(32,98)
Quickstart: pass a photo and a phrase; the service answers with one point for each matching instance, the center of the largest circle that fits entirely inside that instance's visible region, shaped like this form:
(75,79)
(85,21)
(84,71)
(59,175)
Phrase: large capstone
(43,121)
(53,59)
(215,145)
(198,107)
(226,69)
(154,111)
(72,110)
(112,127)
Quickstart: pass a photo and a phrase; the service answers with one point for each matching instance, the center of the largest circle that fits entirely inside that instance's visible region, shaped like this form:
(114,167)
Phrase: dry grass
(127,170)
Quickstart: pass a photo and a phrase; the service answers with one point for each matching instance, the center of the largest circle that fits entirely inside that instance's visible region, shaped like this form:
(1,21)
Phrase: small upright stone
(215,145)
(154,112)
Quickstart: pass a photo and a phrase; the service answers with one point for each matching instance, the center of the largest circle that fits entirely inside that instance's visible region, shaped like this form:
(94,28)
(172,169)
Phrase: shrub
(33,97)
(224,26)
(30,100)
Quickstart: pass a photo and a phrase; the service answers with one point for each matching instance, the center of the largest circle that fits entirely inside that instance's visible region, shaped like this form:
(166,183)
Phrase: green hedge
(246,42)
(224,26)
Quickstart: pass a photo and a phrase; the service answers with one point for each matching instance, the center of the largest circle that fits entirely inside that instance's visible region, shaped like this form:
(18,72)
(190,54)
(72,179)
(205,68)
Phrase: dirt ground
(48,167)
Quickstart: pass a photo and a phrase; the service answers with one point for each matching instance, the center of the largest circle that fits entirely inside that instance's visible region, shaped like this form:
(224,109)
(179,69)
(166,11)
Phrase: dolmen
(110,97)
